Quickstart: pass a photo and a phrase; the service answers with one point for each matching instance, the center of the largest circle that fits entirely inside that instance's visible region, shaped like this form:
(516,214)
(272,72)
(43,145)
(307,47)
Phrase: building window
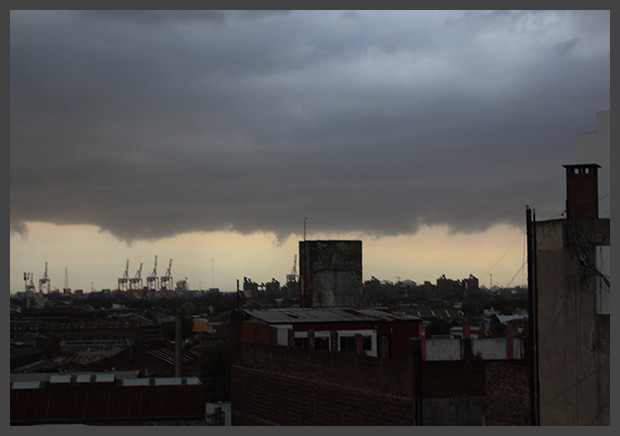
(301,342)
(367,343)
(347,343)
(321,343)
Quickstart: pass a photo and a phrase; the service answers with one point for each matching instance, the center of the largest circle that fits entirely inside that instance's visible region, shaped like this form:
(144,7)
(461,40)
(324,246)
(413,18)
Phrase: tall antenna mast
(305,223)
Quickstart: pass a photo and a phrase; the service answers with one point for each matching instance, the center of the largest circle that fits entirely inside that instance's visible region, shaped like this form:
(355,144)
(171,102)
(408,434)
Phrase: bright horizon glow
(97,259)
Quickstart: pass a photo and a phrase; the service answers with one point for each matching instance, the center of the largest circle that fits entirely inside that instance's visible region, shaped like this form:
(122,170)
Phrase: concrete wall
(573,339)
(484,348)
(443,349)
(496,348)
(330,273)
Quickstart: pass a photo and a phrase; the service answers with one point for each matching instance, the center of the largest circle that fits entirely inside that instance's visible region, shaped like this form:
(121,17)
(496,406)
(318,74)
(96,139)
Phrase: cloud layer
(150,124)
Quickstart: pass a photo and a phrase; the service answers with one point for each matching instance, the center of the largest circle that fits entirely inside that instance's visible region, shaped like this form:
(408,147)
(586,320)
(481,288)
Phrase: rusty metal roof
(104,402)
(328,314)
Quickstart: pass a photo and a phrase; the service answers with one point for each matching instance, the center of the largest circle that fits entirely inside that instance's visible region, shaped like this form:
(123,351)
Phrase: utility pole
(532,289)
(237,294)
(416,348)
(177,344)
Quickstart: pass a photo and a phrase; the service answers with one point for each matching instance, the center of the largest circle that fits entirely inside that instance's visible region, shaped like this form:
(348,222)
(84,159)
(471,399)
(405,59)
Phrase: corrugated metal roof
(504,319)
(331,314)
(168,355)
(74,404)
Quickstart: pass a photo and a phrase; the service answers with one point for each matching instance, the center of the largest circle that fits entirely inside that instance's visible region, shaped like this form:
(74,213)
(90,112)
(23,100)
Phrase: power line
(503,255)
(517,273)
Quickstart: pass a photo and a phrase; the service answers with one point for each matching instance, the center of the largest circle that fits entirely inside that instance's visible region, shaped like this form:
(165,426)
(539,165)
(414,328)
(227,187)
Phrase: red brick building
(293,367)
(379,333)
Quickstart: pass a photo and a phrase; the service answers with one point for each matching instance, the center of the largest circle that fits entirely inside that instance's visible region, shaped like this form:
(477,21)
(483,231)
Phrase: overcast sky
(150,125)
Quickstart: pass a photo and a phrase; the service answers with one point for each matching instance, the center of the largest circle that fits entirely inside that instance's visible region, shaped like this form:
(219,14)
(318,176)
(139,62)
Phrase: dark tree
(215,371)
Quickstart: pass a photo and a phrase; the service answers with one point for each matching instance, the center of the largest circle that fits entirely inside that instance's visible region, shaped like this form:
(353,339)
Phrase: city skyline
(207,137)
(203,272)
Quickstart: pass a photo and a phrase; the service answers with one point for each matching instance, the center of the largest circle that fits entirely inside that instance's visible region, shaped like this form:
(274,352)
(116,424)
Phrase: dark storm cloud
(153,123)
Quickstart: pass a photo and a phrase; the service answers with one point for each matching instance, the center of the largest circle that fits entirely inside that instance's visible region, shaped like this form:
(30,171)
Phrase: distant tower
(45,282)
(212,275)
(330,273)
(66,289)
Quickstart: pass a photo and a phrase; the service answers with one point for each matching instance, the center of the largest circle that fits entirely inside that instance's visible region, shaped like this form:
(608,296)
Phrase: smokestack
(582,191)
(177,345)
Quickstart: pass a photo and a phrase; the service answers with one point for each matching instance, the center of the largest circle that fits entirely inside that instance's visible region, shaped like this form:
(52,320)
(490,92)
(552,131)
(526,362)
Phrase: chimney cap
(589,165)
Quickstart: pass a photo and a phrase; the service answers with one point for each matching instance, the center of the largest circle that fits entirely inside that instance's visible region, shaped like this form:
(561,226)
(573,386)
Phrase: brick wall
(453,378)
(278,385)
(466,410)
(275,385)
(507,392)
(290,386)
(257,332)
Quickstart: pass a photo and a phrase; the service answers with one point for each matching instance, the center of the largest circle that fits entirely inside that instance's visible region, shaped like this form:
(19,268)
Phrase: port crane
(44,282)
(136,281)
(165,281)
(123,281)
(292,277)
(152,281)
(28,283)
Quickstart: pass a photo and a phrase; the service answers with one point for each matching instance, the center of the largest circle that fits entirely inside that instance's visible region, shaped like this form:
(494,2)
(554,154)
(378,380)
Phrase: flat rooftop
(326,314)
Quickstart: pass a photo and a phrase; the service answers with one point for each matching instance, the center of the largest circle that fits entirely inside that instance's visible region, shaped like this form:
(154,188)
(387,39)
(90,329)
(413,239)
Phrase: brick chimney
(582,191)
